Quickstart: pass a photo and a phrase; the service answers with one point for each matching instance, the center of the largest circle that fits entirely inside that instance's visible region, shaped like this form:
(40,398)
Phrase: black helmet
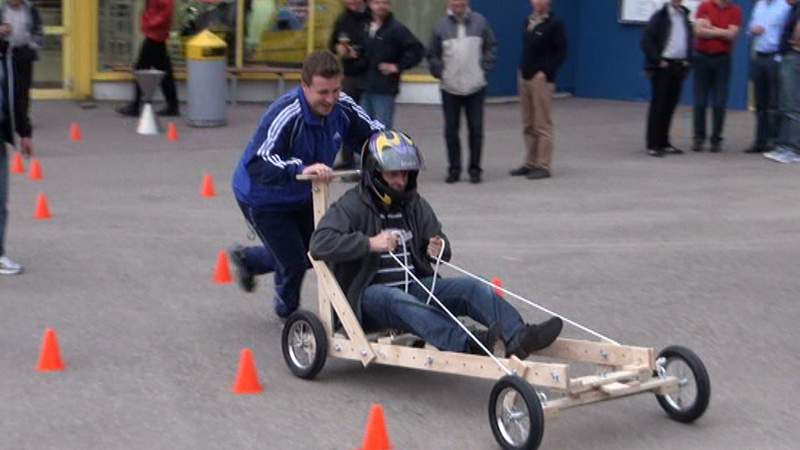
(386,151)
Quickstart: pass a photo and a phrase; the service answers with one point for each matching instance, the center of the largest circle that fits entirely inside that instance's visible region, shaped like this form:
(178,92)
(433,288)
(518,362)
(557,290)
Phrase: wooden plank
(655,385)
(600,353)
(329,286)
(616,389)
(583,384)
(550,375)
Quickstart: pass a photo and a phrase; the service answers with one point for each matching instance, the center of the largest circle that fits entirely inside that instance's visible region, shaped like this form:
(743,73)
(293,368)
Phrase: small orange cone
(498,284)
(247,378)
(36,170)
(75,134)
(207,189)
(50,358)
(17,165)
(42,210)
(376,436)
(172,132)
(222,273)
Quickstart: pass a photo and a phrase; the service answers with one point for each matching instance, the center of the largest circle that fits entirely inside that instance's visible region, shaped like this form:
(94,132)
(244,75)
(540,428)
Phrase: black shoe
(519,171)
(656,152)
(697,146)
(244,277)
(452,178)
(489,337)
(475,178)
(670,150)
(129,110)
(169,112)
(534,337)
(756,150)
(716,147)
(538,173)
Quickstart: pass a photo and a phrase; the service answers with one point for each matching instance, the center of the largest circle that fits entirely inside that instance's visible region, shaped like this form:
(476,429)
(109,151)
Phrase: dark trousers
(3,195)
(153,55)
(764,73)
(473,106)
(351,87)
(666,85)
(285,235)
(23,77)
(712,75)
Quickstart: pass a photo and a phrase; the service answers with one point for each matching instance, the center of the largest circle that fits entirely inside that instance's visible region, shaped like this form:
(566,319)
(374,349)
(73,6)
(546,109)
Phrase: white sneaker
(9,267)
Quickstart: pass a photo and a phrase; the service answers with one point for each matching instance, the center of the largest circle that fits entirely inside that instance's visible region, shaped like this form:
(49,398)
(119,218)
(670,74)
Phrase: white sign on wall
(639,11)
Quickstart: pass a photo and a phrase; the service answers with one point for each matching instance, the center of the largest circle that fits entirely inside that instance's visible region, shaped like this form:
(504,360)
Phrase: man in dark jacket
(544,49)
(667,46)
(391,49)
(358,237)
(156,25)
(347,41)
(21,30)
(9,117)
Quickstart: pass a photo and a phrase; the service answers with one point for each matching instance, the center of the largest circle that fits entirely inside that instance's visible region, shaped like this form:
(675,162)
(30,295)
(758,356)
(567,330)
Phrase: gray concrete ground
(700,250)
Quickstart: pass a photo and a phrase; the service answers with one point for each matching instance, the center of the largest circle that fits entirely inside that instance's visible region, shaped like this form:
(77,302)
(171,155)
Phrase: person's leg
(451,106)
(655,111)
(385,307)
(350,87)
(471,298)
(384,109)
(773,115)
(367,104)
(792,117)
(701,88)
(474,107)
(673,96)
(528,115)
(162,62)
(23,76)
(147,60)
(722,75)
(3,195)
(543,123)
(761,85)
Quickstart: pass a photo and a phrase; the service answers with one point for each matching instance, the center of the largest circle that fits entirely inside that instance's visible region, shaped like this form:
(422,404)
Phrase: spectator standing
(788,143)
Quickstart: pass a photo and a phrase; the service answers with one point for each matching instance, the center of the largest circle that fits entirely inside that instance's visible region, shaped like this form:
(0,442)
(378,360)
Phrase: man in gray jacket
(462,51)
(373,227)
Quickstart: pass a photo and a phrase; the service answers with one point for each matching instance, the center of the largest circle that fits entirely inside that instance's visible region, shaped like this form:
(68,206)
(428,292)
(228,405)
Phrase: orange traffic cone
(50,358)
(17,165)
(36,170)
(247,378)
(498,284)
(376,437)
(207,189)
(222,273)
(172,132)
(75,134)
(42,210)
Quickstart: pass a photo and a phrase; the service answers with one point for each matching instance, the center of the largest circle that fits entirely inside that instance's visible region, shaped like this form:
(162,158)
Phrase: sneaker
(475,178)
(244,277)
(452,178)
(534,337)
(489,337)
(670,150)
(129,110)
(538,173)
(520,171)
(9,267)
(656,152)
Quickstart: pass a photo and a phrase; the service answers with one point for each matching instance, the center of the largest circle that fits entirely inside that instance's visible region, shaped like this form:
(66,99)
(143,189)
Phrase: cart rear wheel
(691,399)
(515,414)
(305,344)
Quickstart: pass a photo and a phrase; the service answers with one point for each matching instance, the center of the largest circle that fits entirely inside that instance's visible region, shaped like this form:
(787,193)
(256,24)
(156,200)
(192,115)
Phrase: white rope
(537,306)
(455,319)
(436,271)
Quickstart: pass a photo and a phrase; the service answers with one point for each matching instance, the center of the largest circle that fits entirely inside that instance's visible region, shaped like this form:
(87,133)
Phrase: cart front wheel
(515,414)
(691,399)
(305,344)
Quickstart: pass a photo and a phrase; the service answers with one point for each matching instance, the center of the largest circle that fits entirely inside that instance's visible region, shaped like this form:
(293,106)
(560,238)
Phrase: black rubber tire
(321,338)
(701,378)
(532,403)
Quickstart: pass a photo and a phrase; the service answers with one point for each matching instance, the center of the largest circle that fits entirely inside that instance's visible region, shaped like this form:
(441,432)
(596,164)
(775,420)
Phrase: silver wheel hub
(513,419)
(684,398)
(302,344)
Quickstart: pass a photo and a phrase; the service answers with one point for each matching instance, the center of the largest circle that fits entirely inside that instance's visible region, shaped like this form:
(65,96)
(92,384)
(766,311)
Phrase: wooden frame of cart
(517,411)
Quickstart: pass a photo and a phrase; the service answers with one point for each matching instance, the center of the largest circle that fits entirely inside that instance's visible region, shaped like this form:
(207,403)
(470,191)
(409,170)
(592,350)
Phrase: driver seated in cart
(385,216)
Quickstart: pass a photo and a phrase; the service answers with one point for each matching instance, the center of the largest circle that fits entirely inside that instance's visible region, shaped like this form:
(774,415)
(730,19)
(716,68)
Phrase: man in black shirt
(544,49)
(358,238)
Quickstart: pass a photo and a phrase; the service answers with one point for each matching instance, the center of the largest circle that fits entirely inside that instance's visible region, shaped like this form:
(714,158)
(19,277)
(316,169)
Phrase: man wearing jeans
(462,51)
(788,142)
(385,218)
(766,26)
(716,28)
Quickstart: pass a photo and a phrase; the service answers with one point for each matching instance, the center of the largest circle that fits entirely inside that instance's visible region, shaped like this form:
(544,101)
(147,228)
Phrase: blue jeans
(3,194)
(385,307)
(712,75)
(789,136)
(285,235)
(379,106)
